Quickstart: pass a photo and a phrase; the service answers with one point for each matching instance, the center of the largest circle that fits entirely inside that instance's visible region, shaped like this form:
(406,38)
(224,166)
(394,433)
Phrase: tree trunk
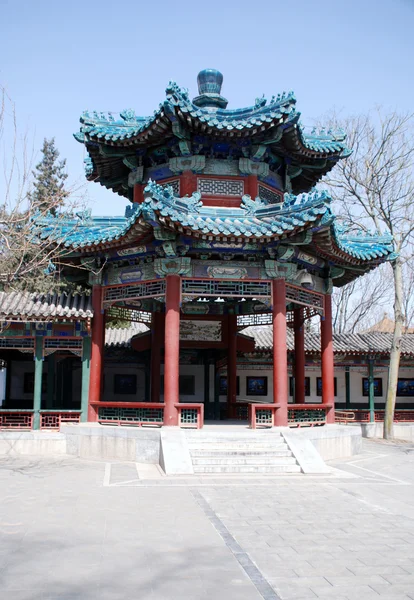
(395,351)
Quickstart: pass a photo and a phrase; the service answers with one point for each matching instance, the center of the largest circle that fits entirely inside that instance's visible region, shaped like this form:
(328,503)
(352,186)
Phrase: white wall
(18,369)
(312,374)
(198,372)
(109,374)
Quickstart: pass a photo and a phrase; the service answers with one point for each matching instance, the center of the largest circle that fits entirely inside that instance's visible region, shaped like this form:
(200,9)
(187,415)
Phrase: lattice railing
(16,419)
(190,415)
(145,289)
(53,419)
(300,295)
(344,416)
(363,416)
(262,415)
(300,415)
(226,288)
(130,413)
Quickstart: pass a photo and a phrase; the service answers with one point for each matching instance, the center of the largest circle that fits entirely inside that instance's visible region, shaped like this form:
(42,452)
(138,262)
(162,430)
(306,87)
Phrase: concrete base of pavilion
(168,446)
(402,431)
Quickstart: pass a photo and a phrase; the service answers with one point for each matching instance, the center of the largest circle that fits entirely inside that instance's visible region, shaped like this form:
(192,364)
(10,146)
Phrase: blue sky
(58,59)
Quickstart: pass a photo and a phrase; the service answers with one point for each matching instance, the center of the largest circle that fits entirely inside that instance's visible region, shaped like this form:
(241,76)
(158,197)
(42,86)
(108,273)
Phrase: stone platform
(224,447)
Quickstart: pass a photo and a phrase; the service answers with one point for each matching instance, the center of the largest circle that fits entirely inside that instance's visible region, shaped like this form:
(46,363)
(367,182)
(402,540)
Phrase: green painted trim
(371,391)
(37,395)
(86,365)
(347,388)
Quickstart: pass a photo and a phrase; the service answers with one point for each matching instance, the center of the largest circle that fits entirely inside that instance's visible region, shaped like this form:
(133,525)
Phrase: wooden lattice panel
(147,289)
(226,288)
(304,297)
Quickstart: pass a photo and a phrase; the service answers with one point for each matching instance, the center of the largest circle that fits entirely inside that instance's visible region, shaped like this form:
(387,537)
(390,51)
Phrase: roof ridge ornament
(209,89)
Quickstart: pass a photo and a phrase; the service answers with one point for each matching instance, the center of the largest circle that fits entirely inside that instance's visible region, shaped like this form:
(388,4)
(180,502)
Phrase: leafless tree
(374,188)
(27,261)
(359,304)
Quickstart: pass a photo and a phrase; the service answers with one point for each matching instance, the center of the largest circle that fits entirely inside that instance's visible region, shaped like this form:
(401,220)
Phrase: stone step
(238,447)
(265,469)
(271,438)
(238,452)
(244,460)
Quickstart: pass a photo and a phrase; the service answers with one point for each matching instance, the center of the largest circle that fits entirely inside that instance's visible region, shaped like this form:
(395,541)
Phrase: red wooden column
(280,374)
(231,365)
(328,390)
(299,331)
(98,340)
(172,349)
(157,332)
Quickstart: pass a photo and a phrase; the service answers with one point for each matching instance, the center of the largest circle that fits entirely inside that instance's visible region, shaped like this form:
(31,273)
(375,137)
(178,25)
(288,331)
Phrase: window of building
(319,386)
(256,386)
(377,386)
(223,385)
(307,386)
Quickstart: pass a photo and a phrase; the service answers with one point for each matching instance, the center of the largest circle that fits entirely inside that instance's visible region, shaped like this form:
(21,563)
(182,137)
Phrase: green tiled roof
(270,129)
(255,219)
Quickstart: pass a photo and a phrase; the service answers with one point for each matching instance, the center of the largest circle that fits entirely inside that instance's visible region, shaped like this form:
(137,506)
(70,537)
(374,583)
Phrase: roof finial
(209,89)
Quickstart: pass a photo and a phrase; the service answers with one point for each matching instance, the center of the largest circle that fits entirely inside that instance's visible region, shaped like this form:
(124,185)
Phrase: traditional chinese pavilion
(225,229)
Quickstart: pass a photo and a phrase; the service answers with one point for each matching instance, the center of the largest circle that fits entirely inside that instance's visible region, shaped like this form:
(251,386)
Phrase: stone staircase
(240,452)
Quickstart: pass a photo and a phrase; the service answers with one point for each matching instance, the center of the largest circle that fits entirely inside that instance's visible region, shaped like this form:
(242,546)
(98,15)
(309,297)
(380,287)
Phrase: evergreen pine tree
(49,184)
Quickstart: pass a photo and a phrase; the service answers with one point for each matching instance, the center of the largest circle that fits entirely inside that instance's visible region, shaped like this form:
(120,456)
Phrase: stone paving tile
(64,536)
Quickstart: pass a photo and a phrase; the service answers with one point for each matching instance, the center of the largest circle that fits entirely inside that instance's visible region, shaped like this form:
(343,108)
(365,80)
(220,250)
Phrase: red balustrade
(190,414)
(16,419)
(52,420)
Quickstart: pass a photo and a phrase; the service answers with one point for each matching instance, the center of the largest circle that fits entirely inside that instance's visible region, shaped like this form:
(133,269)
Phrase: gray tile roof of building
(346,343)
(121,337)
(28,306)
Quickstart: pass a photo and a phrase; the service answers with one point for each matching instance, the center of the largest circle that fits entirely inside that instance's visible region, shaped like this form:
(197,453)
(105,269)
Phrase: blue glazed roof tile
(127,125)
(254,219)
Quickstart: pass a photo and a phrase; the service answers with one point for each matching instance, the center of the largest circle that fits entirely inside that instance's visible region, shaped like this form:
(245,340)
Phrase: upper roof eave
(127,128)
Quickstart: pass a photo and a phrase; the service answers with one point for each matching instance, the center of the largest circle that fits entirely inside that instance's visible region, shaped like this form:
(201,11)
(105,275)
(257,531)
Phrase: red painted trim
(118,285)
(98,335)
(299,333)
(327,360)
(188,183)
(280,370)
(223,201)
(110,404)
(252,187)
(172,349)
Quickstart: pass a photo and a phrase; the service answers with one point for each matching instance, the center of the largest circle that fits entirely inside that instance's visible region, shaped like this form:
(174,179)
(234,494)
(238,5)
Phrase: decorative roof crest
(252,206)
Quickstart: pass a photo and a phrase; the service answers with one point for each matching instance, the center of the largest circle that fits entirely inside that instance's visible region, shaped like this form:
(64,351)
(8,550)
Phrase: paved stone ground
(73,529)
